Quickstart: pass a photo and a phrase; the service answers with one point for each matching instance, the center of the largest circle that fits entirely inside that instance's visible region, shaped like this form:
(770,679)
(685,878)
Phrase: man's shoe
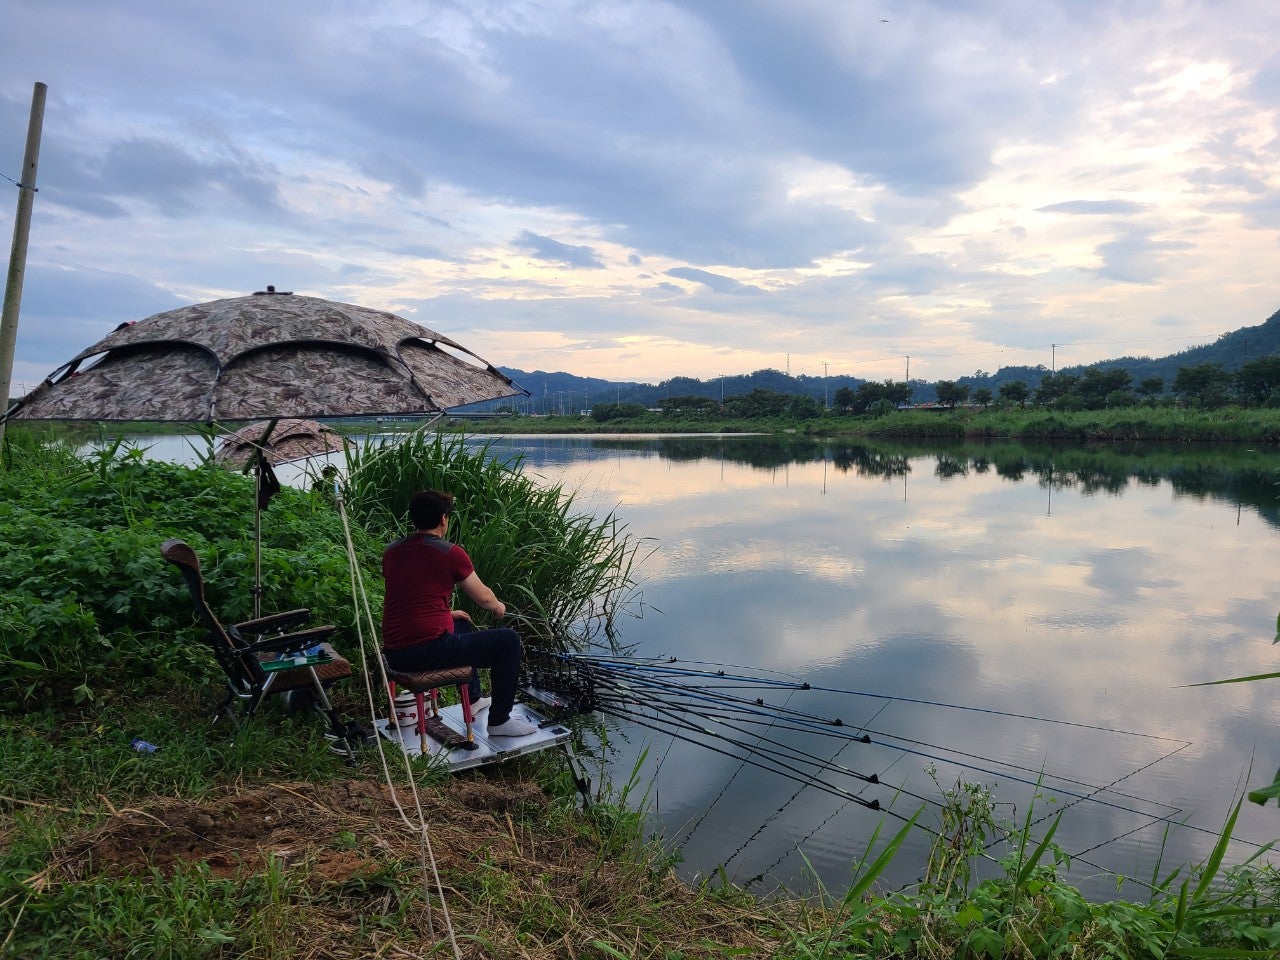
(512,728)
(481,704)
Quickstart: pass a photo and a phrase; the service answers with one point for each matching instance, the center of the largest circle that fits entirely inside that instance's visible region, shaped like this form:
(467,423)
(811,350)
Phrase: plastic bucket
(406,714)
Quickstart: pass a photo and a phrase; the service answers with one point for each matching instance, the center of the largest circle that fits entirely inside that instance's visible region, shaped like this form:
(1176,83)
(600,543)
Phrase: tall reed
(566,575)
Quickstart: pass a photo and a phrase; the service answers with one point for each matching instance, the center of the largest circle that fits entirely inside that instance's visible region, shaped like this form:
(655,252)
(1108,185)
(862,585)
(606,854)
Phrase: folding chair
(260,659)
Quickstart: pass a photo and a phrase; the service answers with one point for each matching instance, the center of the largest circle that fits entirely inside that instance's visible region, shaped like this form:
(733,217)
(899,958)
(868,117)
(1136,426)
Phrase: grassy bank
(1163,424)
(268,845)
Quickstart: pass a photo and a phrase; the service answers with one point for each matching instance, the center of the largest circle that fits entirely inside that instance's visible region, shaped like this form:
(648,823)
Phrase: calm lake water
(1001,613)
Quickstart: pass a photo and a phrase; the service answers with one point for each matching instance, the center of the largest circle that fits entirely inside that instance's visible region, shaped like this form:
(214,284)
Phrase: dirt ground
(295,822)
(515,883)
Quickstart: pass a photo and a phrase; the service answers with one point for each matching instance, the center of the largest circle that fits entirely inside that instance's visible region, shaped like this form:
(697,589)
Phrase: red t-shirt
(420,573)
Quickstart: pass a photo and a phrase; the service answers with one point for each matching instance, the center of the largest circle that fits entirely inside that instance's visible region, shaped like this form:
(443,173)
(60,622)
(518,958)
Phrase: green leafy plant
(567,575)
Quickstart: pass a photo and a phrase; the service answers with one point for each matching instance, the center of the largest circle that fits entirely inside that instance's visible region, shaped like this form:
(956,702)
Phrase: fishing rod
(823,729)
(706,692)
(814,766)
(671,689)
(615,700)
(642,721)
(621,707)
(625,710)
(664,666)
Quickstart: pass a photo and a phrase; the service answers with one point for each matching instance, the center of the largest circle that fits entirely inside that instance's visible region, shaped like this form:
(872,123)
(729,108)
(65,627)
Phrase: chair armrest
(274,623)
(291,642)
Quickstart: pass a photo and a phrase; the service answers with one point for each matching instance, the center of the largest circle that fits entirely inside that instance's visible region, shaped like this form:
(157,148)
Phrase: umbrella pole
(257,535)
(261,468)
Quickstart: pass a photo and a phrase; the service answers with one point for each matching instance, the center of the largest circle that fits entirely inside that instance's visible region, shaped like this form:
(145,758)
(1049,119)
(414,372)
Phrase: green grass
(1163,424)
(1027,911)
(258,842)
(1146,423)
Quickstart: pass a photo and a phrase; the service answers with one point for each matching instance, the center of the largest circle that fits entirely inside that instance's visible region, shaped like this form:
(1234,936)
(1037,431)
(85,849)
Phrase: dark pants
(498,650)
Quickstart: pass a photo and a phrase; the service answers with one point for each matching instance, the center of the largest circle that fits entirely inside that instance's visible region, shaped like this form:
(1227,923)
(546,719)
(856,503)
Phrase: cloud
(1092,207)
(63,310)
(714,281)
(1137,258)
(553,251)
(653,167)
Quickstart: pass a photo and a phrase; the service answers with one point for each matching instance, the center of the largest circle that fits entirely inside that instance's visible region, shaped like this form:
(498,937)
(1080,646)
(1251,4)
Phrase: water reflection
(1084,585)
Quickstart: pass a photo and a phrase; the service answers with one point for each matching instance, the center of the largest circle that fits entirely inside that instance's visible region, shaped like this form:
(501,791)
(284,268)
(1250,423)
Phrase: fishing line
(839,810)
(426,852)
(1001,713)
(790,800)
(724,789)
(1174,811)
(1022,780)
(1169,818)
(1127,833)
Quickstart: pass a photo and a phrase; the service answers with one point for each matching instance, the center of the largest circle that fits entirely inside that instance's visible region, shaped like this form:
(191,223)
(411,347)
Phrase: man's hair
(428,507)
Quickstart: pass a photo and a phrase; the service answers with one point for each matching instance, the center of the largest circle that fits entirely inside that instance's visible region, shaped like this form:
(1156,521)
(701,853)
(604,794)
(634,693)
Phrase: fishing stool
(426,684)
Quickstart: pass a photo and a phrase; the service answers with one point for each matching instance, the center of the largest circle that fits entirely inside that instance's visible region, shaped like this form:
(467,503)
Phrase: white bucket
(406,714)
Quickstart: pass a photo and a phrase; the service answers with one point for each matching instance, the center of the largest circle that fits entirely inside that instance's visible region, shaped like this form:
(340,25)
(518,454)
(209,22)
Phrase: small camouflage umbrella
(271,355)
(262,446)
(282,441)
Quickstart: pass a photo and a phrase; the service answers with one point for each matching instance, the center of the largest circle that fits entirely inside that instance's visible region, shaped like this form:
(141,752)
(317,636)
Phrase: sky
(642,189)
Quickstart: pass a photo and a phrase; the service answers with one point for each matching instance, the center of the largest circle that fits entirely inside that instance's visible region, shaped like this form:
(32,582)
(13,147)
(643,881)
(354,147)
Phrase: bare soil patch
(518,879)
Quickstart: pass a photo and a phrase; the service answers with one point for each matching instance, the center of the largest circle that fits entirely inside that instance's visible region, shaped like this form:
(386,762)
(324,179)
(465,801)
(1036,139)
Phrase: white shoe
(513,727)
(481,704)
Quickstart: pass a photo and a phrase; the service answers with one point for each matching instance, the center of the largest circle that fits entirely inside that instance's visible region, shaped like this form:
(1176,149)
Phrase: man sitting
(419,631)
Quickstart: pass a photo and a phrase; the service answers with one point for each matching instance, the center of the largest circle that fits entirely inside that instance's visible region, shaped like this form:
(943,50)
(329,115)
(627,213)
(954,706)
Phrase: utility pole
(1053,358)
(824,384)
(908,369)
(18,253)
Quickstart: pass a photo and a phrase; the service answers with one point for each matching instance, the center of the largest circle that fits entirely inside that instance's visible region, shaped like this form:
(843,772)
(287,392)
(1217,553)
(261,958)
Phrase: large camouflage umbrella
(267,356)
(260,357)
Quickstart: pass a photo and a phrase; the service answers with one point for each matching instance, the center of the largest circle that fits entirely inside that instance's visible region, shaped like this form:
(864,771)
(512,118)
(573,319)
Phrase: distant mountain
(567,393)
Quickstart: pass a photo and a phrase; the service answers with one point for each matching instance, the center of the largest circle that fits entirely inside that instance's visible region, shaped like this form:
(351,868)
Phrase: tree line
(1203,386)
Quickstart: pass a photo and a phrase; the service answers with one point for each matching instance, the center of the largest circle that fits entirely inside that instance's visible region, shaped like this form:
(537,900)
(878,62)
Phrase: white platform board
(486,751)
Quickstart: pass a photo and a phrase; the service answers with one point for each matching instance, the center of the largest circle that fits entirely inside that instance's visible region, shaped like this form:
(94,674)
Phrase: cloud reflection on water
(1081,594)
